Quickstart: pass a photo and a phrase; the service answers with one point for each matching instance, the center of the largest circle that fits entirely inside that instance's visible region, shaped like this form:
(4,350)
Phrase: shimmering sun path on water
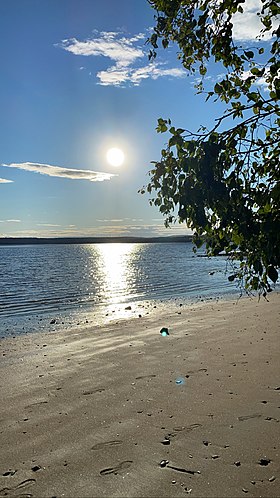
(70,283)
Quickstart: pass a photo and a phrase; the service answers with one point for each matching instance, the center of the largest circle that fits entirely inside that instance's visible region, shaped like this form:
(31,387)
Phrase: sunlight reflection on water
(115,264)
(74,283)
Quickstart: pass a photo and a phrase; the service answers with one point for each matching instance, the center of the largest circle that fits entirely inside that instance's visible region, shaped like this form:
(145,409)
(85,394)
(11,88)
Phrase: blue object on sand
(180,381)
(164,332)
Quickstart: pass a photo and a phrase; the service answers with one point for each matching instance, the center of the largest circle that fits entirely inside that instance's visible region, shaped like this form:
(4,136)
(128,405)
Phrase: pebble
(9,473)
(264,461)
(36,468)
(163,463)
(165,442)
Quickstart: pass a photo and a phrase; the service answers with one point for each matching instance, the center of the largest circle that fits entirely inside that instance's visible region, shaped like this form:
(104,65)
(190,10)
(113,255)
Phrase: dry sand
(92,413)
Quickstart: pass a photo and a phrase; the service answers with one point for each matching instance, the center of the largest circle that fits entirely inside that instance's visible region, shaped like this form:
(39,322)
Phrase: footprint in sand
(118,469)
(23,484)
(100,446)
(247,417)
(93,391)
(145,377)
(37,403)
(188,428)
(197,371)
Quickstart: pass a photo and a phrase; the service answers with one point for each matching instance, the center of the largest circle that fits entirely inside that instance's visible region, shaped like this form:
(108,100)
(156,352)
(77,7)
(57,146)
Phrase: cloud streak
(58,171)
(116,76)
(143,230)
(10,221)
(124,53)
(3,180)
(120,50)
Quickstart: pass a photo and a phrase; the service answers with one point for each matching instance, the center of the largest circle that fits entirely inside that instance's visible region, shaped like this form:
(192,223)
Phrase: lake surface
(94,283)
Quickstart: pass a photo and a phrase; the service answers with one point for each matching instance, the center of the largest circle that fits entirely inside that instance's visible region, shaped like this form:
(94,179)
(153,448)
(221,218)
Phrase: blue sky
(76,81)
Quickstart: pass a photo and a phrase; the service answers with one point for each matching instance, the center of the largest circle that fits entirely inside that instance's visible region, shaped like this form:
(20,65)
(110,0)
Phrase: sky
(75,82)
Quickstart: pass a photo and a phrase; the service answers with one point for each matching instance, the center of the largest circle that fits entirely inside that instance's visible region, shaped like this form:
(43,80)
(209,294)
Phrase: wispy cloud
(247,25)
(116,76)
(10,221)
(113,230)
(58,171)
(125,53)
(3,180)
(47,225)
(118,48)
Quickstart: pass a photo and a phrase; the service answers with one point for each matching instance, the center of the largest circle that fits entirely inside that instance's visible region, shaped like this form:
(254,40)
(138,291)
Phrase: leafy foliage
(224,182)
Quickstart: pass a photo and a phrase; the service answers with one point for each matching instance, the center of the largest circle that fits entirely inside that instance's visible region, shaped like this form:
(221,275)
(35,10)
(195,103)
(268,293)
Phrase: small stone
(163,463)
(53,321)
(205,442)
(128,308)
(166,442)
(264,461)
(271,479)
(9,473)
(36,468)
(245,490)
(173,482)
(214,457)
(237,463)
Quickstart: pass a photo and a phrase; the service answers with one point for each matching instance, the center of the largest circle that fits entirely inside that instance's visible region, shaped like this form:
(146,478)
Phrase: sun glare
(115,156)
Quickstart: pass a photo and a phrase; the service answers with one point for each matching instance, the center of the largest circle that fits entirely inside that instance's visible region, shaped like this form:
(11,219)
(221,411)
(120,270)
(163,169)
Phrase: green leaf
(202,70)
(249,54)
(272,273)
(224,182)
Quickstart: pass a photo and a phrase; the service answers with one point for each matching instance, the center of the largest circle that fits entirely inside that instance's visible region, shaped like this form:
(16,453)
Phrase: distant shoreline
(8,241)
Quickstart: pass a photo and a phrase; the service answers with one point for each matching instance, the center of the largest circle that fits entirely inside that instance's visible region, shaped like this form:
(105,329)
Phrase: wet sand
(121,411)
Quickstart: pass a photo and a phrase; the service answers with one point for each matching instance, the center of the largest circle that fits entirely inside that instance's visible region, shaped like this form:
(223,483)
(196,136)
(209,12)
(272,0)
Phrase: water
(93,283)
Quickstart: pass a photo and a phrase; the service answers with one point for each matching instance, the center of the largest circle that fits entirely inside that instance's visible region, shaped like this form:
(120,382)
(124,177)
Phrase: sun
(115,156)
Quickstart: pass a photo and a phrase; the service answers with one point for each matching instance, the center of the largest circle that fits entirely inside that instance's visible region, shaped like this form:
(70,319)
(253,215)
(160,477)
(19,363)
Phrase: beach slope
(122,411)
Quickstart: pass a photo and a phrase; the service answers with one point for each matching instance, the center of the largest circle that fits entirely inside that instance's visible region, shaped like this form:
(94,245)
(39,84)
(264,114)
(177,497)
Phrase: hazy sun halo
(115,156)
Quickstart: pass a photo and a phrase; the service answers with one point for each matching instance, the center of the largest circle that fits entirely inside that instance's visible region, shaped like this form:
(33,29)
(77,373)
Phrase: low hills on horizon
(4,241)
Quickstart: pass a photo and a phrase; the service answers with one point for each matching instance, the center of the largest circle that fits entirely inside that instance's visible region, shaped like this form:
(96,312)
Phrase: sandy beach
(122,411)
